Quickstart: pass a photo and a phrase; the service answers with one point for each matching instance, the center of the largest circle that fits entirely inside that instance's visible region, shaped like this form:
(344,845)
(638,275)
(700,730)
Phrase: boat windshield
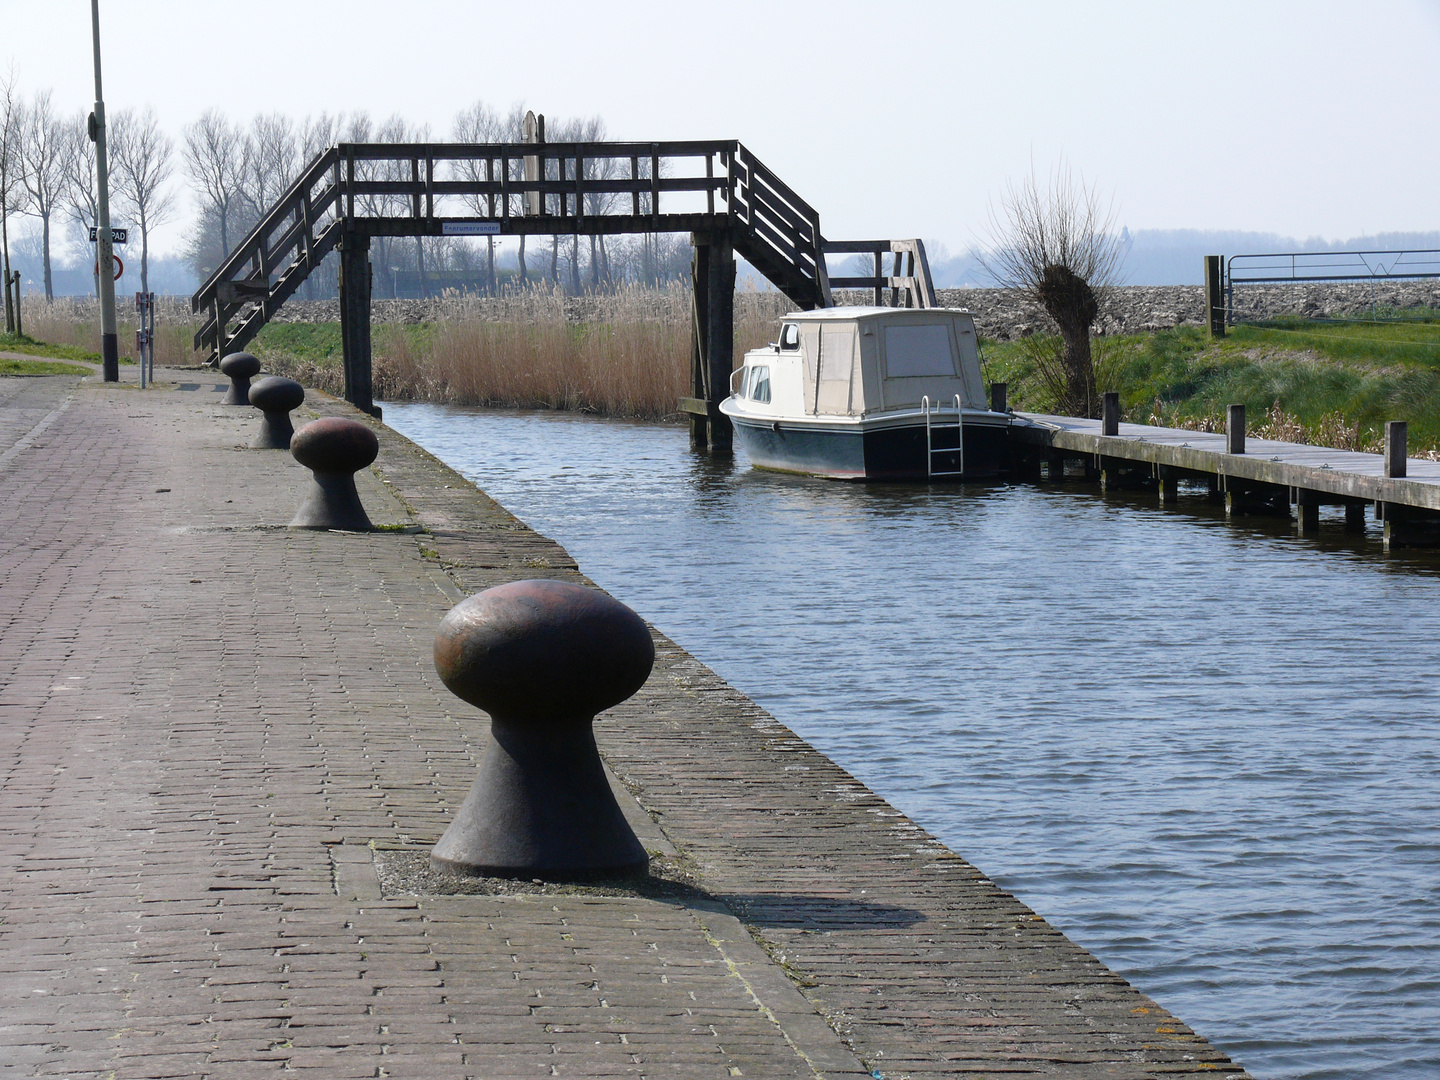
(789,337)
(760,383)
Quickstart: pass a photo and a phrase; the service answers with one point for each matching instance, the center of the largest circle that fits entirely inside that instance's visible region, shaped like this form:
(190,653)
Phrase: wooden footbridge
(717,191)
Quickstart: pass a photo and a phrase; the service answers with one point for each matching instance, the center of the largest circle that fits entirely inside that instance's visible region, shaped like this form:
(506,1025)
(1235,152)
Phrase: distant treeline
(234,170)
(1175,256)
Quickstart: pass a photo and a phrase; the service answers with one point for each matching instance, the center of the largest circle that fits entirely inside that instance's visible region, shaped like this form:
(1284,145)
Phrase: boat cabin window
(789,337)
(758,385)
(918,351)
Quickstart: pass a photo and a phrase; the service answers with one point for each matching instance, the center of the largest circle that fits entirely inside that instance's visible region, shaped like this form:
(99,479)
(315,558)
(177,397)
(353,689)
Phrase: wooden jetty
(1252,476)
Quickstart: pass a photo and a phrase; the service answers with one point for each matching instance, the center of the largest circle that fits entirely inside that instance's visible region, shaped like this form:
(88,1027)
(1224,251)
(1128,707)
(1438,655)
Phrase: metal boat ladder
(943,456)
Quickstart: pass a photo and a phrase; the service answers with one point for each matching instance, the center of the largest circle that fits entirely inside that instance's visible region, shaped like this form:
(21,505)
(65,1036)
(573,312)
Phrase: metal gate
(1306,267)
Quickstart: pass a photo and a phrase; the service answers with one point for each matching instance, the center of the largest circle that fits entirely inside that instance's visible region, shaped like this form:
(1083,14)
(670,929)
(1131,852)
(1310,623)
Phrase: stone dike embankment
(1003,314)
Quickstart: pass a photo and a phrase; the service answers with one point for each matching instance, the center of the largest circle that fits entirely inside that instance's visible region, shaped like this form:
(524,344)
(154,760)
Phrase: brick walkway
(212,730)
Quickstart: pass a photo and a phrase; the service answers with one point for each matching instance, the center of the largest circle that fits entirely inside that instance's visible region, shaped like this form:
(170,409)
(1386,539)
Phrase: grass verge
(24,343)
(40,367)
(1332,392)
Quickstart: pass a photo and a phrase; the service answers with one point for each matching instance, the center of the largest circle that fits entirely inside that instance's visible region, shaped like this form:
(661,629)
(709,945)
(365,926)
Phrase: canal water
(1208,752)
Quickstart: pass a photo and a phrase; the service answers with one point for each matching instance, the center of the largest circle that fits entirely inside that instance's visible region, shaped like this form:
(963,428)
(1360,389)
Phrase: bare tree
(1056,245)
(398,130)
(12,171)
(514,132)
(41,140)
(77,168)
(319,133)
(593,130)
(479,123)
(144,162)
(217,159)
(272,161)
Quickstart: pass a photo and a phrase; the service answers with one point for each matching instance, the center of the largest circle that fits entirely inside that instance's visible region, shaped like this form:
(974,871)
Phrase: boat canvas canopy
(837,370)
(917,352)
(887,358)
(936,357)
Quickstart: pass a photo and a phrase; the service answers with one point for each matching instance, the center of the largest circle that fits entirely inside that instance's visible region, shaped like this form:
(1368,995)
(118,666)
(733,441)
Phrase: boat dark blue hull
(880,453)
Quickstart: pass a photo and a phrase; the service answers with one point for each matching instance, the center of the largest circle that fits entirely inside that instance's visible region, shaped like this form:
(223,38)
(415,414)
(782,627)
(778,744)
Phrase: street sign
(117,236)
(469,228)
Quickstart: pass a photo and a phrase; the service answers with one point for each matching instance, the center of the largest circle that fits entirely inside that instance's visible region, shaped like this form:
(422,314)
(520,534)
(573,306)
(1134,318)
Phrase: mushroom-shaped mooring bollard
(333,449)
(239,367)
(275,397)
(542,658)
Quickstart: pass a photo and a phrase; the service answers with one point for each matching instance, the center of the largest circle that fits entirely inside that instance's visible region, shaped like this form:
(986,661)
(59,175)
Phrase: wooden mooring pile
(1251,476)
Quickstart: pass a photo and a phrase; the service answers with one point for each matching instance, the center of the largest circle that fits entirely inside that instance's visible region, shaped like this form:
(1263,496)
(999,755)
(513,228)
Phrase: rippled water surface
(1208,752)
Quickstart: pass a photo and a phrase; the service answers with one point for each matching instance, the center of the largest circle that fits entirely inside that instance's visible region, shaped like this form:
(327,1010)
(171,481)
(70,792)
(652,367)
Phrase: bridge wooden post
(720,344)
(699,334)
(712,349)
(355,275)
(1214,294)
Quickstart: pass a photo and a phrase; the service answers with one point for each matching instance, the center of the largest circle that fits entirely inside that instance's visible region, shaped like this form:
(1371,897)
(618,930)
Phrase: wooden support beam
(1395,439)
(720,340)
(1109,468)
(1110,414)
(1408,526)
(1234,429)
(355,320)
(997,396)
(1253,497)
(1169,485)
(1214,294)
(699,337)
(1355,516)
(1307,511)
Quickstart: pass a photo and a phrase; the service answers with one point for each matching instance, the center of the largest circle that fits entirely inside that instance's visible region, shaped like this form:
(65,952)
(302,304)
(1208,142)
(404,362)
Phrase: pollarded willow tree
(1056,244)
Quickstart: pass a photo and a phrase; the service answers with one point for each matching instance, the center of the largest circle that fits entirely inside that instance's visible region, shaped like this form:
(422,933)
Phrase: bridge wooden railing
(909,279)
(412,189)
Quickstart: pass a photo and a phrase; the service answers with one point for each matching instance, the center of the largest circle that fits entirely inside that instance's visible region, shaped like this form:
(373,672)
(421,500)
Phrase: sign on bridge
(469,228)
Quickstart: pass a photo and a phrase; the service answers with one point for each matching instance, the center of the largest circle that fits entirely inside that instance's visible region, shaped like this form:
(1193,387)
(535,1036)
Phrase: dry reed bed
(173,340)
(629,357)
(621,354)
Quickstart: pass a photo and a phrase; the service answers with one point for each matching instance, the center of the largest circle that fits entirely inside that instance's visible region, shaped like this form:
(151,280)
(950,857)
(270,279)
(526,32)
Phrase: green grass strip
(1181,376)
(23,343)
(40,367)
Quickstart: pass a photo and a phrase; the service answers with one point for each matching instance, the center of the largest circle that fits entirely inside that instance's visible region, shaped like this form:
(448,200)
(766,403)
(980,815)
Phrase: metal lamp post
(104,251)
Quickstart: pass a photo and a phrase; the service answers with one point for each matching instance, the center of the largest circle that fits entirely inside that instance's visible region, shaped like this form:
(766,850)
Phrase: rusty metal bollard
(333,448)
(542,658)
(275,397)
(239,367)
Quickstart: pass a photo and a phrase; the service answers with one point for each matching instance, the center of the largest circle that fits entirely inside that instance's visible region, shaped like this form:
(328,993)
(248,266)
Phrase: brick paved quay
(219,737)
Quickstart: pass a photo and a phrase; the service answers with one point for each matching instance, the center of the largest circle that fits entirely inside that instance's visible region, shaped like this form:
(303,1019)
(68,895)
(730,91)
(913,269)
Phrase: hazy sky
(1309,118)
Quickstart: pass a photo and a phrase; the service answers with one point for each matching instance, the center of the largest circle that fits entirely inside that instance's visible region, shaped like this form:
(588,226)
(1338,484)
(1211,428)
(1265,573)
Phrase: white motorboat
(874,393)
